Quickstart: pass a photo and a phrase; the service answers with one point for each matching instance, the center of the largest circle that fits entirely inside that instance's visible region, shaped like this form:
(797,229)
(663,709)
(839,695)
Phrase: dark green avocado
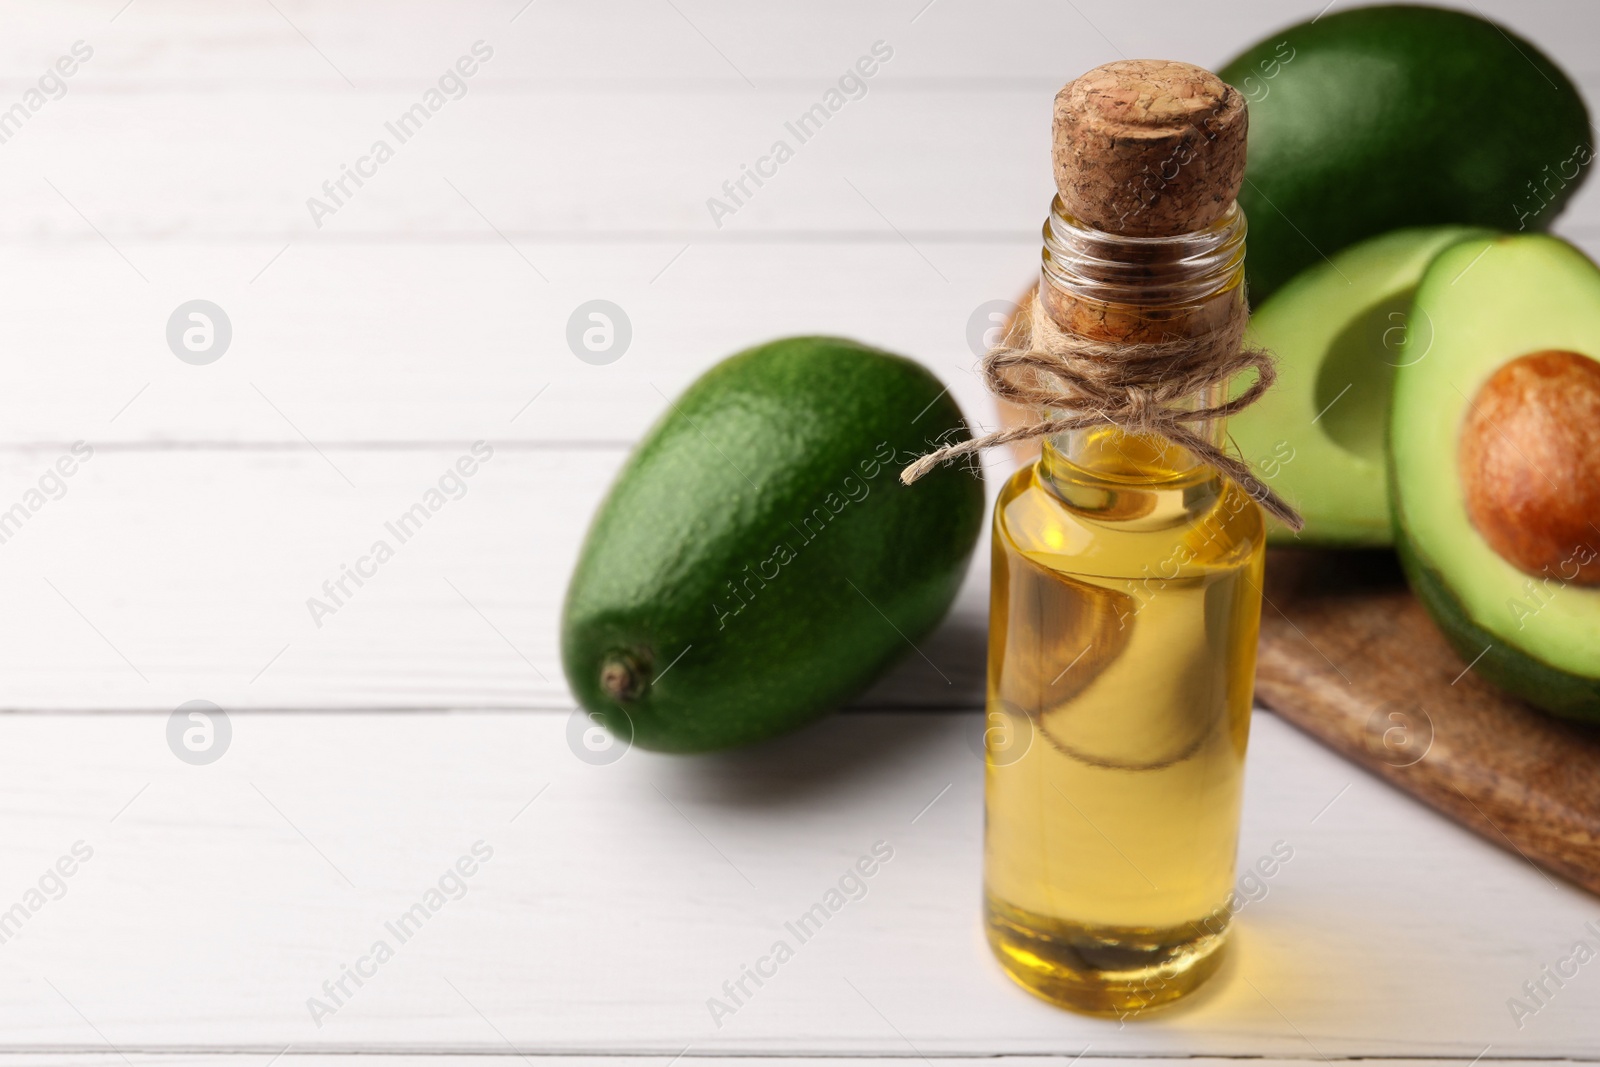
(1372,119)
(757,561)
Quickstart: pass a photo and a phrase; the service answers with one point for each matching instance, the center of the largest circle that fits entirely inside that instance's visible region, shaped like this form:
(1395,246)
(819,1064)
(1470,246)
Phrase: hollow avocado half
(1370,119)
(1490,302)
(1317,436)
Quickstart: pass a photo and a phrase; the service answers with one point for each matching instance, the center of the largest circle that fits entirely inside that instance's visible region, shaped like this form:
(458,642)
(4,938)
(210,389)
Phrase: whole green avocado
(757,561)
(1377,118)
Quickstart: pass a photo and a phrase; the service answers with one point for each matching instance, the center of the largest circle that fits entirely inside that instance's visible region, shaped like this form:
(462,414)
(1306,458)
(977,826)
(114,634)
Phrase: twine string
(1138,388)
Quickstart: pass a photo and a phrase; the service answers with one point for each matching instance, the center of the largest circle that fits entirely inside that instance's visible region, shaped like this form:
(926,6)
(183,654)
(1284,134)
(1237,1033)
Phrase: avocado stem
(622,678)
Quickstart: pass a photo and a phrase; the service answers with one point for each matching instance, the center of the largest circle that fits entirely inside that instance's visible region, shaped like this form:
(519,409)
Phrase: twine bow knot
(1140,388)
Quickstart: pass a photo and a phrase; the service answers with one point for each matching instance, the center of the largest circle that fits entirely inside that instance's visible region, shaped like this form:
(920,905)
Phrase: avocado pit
(1530,464)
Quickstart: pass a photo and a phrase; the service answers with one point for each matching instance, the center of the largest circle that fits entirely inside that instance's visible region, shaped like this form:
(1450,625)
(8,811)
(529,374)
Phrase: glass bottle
(1125,605)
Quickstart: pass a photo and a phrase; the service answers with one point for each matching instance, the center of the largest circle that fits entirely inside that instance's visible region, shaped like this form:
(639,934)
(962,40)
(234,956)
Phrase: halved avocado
(1317,437)
(1495,464)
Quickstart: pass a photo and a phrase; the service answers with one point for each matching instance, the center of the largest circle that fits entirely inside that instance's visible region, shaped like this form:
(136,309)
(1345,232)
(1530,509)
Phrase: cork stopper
(1149,147)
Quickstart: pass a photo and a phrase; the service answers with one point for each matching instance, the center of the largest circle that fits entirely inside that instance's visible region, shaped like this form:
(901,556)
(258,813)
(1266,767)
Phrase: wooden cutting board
(1349,656)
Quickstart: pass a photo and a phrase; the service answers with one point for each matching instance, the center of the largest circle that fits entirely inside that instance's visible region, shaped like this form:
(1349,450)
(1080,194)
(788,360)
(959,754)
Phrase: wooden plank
(549,136)
(165,576)
(539,165)
(446,343)
(219,898)
(180,1058)
(373,42)
(293,1059)
(556,162)
(449,343)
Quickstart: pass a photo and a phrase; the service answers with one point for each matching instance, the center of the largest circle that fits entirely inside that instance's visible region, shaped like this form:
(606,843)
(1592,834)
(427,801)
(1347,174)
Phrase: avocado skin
(1514,671)
(1399,115)
(733,470)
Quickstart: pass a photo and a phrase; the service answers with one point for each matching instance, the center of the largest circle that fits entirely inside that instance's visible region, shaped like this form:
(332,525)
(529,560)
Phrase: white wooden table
(427,715)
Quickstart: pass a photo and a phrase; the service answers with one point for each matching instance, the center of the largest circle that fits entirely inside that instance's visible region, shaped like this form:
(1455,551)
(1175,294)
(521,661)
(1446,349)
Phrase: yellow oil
(1125,606)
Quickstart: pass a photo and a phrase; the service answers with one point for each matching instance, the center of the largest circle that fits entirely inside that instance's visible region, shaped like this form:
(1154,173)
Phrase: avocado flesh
(1371,119)
(1317,436)
(757,561)
(1490,301)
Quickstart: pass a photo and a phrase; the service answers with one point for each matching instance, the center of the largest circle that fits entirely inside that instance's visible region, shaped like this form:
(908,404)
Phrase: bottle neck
(1144,290)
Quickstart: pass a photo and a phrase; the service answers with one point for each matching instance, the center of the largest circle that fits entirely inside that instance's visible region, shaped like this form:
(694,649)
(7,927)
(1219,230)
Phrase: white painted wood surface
(371,752)
(619,901)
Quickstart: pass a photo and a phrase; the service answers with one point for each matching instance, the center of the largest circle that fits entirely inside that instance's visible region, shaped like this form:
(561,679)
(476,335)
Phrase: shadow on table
(944,671)
(854,750)
(839,756)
